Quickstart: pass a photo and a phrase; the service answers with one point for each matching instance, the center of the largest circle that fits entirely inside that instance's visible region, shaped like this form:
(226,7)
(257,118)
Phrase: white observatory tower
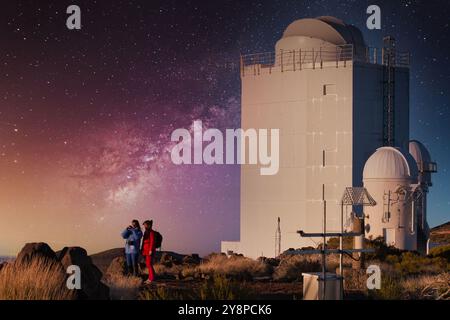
(333,100)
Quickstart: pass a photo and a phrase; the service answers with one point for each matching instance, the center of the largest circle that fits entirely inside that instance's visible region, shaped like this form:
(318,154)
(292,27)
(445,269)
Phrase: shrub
(434,287)
(162,293)
(391,288)
(40,279)
(221,288)
(292,266)
(381,249)
(441,252)
(410,263)
(347,243)
(164,271)
(355,280)
(235,266)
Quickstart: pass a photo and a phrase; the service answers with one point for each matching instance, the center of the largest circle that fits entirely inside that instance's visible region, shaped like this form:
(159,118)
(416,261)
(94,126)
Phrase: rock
(103,259)
(91,286)
(192,259)
(35,250)
(166,260)
(116,267)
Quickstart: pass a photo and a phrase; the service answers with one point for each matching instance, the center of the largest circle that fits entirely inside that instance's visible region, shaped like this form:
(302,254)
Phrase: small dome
(419,152)
(390,163)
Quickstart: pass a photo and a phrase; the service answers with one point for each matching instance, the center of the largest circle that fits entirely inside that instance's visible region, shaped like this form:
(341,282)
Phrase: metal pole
(341,247)
(313,59)
(293,58)
(324,247)
(300,58)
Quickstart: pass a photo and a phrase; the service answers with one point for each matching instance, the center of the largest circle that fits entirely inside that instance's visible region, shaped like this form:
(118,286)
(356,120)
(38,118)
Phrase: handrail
(296,60)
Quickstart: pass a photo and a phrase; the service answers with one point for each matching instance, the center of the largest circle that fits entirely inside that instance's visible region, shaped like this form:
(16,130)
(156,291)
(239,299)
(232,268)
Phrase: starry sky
(86,116)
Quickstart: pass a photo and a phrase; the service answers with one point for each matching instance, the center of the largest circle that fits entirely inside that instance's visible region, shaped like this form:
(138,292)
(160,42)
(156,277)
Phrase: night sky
(86,116)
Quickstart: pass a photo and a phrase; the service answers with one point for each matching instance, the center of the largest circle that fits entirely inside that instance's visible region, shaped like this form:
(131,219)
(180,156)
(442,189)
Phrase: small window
(329,89)
(323,158)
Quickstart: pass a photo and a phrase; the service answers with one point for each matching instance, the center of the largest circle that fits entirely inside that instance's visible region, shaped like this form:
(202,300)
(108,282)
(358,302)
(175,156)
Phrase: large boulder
(91,286)
(116,267)
(35,250)
(103,259)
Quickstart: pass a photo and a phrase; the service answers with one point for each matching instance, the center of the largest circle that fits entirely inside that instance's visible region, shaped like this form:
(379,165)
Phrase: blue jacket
(133,243)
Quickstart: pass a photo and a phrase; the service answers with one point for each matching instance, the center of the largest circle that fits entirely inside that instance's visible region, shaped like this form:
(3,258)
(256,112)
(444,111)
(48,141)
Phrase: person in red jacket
(149,249)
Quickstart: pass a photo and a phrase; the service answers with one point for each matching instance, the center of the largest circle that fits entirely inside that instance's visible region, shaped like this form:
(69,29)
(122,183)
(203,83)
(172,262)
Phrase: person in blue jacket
(133,235)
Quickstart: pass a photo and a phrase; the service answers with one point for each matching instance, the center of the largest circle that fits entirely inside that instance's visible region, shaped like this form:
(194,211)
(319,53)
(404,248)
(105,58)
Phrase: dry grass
(291,267)
(122,287)
(435,287)
(234,266)
(355,280)
(221,288)
(162,293)
(164,271)
(218,287)
(39,280)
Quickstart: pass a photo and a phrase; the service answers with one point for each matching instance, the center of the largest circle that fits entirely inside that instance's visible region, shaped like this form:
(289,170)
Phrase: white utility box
(313,286)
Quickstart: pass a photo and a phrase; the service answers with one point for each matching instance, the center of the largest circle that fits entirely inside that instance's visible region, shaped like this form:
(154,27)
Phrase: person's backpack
(158,239)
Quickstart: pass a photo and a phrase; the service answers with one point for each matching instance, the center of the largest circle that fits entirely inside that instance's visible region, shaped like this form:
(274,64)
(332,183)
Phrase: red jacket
(148,243)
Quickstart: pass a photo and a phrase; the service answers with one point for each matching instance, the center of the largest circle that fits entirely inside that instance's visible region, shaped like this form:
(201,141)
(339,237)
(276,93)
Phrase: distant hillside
(5,258)
(441,234)
(103,259)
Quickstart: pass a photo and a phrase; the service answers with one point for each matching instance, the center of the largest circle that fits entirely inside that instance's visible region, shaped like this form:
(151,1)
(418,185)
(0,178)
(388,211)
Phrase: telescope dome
(390,163)
(320,32)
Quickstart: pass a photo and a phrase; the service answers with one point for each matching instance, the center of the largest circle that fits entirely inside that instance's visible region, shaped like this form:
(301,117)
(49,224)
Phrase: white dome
(390,163)
(419,152)
(321,32)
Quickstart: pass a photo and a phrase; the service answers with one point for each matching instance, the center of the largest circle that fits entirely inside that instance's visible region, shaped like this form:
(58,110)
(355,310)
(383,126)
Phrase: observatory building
(342,109)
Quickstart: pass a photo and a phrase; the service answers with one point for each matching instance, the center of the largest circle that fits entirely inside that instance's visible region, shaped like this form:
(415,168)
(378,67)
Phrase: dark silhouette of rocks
(35,250)
(91,286)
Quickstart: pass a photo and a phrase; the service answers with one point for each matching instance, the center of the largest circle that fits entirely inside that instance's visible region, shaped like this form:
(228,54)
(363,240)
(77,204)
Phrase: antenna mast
(278,239)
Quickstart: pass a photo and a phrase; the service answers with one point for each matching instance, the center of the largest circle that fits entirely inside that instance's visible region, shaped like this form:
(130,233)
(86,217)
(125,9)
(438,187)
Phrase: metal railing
(377,56)
(324,57)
